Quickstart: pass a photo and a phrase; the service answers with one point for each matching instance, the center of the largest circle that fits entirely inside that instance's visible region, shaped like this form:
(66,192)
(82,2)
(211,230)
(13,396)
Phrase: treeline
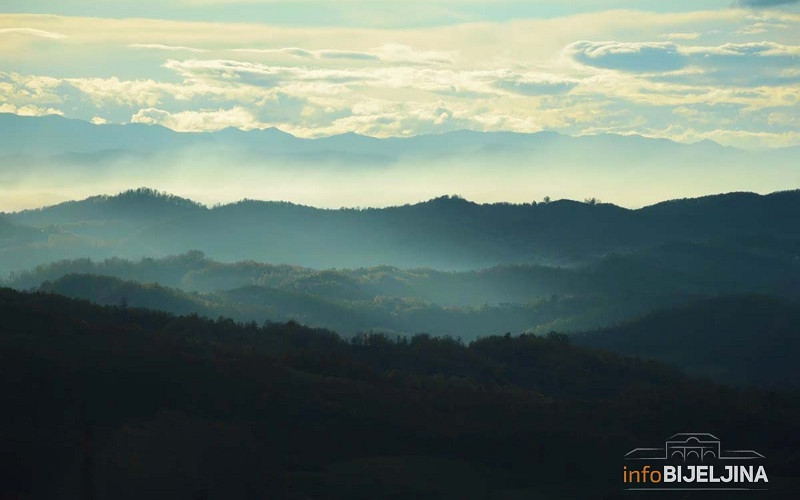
(402,315)
(517,298)
(764,264)
(114,402)
(740,339)
(444,233)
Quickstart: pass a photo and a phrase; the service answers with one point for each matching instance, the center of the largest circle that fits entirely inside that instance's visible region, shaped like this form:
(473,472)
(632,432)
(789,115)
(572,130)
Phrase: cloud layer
(730,75)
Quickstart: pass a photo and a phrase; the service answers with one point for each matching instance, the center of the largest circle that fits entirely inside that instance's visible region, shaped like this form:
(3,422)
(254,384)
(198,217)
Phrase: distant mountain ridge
(75,141)
(56,158)
(23,134)
(445,233)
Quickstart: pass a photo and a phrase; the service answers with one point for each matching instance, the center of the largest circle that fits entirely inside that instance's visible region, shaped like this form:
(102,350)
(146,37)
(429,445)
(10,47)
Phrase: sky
(725,70)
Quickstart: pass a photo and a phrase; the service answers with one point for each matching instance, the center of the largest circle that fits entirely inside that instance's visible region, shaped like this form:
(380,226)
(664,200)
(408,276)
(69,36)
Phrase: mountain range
(448,233)
(55,158)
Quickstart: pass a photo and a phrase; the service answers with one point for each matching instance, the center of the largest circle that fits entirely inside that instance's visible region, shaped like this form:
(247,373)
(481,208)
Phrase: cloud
(532,84)
(197,121)
(644,57)
(400,53)
(760,28)
(105,91)
(388,53)
(745,139)
(728,64)
(783,119)
(230,72)
(33,32)
(744,64)
(290,51)
(32,92)
(346,54)
(523,75)
(764,3)
(754,49)
(416,81)
(681,36)
(159,46)
(29,110)
(315,54)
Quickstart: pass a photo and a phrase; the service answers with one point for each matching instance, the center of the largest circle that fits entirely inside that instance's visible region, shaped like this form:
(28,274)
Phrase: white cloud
(160,46)
(399,53)
(29,110)
(783,119)
(634,69)
(759,49)
(197,121)
(745,139)
(681,36)
(535,84)
(760,28)
(32,32)
(389,53)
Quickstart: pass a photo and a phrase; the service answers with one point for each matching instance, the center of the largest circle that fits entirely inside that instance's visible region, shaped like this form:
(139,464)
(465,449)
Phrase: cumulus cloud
(124,92)
(32,92)
(29,110)
(197,121)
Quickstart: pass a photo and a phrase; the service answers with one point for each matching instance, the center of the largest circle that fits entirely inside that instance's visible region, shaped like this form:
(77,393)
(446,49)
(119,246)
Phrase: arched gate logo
(694,461)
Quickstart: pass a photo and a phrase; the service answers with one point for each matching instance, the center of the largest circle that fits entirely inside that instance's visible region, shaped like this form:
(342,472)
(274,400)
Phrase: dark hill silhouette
(744,339)
(142,206)
(738,339)
(510,297)
(129,403)
(445,233)
(398,315)
(729,214)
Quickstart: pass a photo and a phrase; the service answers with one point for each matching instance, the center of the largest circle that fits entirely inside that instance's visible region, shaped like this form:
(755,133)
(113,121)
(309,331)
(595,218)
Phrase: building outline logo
(687,445)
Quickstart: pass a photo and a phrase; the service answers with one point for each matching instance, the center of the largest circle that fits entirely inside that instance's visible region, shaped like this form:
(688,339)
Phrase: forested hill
(736,339)
(444,233)
(743,339)
(110,402)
